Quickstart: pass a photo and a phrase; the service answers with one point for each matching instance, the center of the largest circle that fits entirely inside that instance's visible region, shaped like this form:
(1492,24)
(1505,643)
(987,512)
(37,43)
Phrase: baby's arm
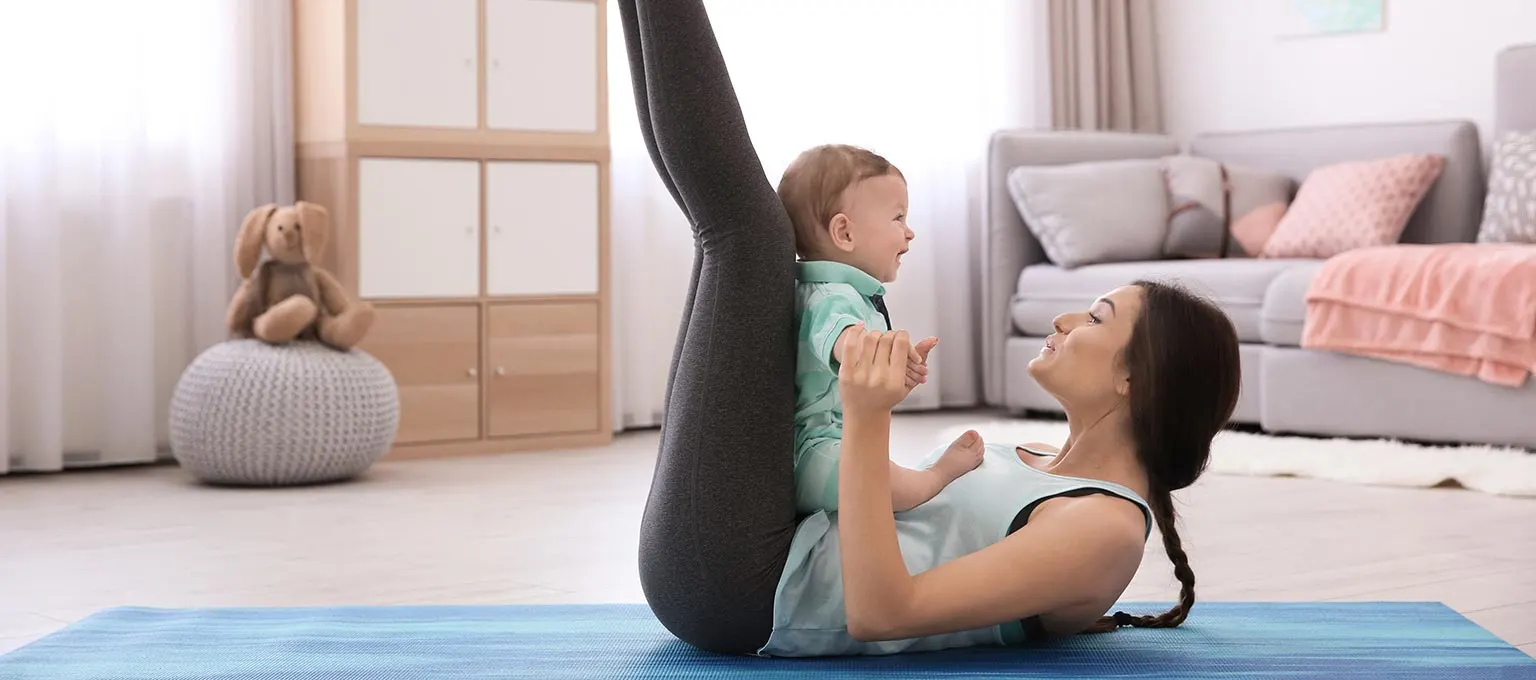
(839,347)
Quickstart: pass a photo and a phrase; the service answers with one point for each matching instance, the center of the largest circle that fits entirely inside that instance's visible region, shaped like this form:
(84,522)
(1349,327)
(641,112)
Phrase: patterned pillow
(1355,204)
(1509,213)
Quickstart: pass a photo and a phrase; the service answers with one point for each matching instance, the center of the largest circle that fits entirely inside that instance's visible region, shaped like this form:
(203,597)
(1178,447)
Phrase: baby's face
(877,215)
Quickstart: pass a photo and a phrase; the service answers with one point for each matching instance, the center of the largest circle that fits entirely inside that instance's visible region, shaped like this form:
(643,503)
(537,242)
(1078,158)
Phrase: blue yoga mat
(1356,641)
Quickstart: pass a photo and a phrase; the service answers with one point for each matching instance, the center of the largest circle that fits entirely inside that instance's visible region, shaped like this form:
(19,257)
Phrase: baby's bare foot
(961,457)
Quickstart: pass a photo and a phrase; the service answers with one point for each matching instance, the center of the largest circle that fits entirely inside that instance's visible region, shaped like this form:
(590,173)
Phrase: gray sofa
(1286,389)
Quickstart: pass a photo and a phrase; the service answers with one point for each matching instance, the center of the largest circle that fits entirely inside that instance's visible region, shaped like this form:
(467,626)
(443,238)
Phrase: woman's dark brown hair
(1184,382)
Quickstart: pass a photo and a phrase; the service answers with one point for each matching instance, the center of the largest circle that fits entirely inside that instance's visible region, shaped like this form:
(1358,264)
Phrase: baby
(848,207)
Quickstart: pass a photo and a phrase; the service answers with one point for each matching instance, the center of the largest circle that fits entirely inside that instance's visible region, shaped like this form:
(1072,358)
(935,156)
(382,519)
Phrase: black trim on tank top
(1032,452)
(1022,518)
(1034,628)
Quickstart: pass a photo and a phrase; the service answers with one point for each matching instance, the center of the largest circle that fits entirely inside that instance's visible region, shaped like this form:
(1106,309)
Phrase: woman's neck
(1100,447)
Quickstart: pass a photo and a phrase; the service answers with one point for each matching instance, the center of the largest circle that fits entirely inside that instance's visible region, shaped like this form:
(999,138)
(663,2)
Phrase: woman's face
(1081,362)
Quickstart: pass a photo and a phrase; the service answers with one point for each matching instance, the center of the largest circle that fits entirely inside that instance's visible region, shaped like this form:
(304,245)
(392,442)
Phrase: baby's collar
(828,271)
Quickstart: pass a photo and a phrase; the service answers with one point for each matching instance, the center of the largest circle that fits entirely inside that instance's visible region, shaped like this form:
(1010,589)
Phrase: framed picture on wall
(1312,18)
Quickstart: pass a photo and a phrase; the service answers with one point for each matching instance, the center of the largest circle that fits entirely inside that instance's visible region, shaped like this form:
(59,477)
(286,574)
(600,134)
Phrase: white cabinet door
(543,220)
(542,73)
(418,228)
(417,63)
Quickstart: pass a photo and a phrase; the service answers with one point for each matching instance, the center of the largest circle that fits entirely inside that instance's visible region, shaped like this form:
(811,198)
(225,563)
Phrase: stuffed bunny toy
(290,297)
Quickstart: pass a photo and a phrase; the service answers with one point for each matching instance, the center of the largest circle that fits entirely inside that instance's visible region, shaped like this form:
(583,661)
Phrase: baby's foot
(961,457)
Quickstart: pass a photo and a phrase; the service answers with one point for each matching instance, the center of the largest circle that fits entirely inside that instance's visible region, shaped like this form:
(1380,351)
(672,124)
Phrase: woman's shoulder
(1108,510)
(1096,542)
(1103,534)
(1100,538)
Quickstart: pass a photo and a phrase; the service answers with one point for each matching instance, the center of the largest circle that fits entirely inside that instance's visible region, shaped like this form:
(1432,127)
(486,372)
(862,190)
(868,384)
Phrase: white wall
(1224,68)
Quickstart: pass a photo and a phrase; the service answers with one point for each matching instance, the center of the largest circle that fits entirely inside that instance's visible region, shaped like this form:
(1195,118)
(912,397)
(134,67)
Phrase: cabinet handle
(496,229)
(501,370)
(473,372)
(496,64)
(469,231)
(469,61)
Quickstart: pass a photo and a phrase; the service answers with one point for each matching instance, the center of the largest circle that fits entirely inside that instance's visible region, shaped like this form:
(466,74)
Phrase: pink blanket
(1465,308)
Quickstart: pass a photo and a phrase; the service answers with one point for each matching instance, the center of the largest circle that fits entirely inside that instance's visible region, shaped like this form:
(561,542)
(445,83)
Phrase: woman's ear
(253,232)
(1122,376)
(316,223)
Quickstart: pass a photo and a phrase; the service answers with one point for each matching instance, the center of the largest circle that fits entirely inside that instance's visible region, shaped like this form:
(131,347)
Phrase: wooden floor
(561,527)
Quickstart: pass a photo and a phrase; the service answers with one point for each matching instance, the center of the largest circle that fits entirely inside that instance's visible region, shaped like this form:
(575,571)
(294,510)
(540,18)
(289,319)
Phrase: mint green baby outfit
(829,297)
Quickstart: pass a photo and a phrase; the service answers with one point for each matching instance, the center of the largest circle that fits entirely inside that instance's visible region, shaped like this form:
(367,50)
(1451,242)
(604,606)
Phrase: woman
(1027,544)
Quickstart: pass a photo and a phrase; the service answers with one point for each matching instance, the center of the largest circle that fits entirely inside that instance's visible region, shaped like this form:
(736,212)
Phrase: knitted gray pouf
(252,414)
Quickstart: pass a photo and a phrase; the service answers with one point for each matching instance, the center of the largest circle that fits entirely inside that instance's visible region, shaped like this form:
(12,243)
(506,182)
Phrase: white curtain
(922,82)
(133,137)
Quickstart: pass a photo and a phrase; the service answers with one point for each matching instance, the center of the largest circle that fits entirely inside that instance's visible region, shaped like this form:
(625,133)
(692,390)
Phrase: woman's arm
(1084,549)
(875,578)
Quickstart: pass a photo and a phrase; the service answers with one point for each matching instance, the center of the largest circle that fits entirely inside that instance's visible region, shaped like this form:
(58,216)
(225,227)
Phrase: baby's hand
(917,362)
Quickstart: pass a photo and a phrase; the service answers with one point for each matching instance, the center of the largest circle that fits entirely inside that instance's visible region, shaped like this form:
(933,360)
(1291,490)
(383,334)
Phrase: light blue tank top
(972,513)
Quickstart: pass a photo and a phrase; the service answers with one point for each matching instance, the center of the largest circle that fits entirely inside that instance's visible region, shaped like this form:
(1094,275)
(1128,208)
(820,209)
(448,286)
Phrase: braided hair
(1185,377)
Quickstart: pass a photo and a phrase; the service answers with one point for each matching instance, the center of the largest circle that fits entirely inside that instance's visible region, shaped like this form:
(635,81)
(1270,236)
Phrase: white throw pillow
(1094,212)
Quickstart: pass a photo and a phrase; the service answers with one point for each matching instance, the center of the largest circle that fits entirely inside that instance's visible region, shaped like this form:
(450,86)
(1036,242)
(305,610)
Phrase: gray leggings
(721,511)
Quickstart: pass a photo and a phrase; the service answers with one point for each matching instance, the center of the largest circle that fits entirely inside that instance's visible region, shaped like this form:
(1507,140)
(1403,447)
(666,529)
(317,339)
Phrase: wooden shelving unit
(462,149)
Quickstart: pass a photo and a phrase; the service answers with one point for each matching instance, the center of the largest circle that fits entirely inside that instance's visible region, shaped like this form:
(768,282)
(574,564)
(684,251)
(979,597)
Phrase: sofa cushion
(1354,204)
(1064,207)
(1201,191)
(1285,305)
(1237,285)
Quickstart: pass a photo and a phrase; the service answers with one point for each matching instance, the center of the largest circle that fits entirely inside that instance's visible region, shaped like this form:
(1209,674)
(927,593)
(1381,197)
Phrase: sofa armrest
(1514,99)
(1007,246)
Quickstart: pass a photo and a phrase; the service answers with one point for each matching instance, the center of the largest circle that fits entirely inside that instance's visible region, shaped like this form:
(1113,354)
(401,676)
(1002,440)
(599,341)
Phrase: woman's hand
(873,374)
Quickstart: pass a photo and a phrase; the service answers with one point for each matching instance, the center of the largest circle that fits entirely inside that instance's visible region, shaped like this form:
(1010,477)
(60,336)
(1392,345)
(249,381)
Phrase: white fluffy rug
(1495,470)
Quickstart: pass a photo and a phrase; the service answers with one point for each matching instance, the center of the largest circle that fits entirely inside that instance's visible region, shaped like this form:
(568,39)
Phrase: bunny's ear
(316,221)
(252,232)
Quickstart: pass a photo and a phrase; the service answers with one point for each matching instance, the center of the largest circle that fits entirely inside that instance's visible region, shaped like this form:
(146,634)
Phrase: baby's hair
(813,185)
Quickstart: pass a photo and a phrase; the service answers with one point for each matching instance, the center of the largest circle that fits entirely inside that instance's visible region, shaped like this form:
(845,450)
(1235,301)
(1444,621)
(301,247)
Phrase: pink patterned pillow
(1351,205)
